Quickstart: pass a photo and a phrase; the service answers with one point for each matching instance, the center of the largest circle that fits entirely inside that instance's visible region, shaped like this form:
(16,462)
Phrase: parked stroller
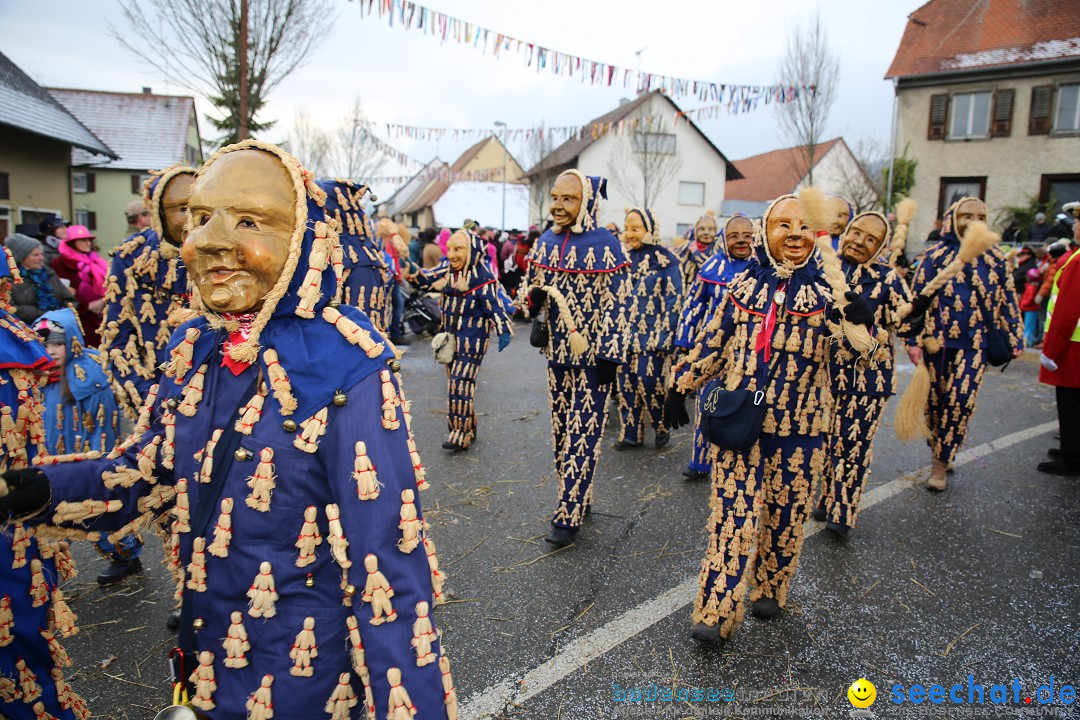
(422,313)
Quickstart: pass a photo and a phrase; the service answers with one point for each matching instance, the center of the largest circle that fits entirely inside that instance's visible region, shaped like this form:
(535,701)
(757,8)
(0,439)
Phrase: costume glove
(537,296)
(605,371)
(675,415)
(919,306)
(858,311)
(504,340)
(28,494)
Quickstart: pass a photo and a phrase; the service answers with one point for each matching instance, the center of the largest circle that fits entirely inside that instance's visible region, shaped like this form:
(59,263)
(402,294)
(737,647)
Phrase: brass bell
(198,624)
(173,403)
(289,425)
(243,454)
(339,398)
(395,365)
(335,304)
(310,581)
(350,590)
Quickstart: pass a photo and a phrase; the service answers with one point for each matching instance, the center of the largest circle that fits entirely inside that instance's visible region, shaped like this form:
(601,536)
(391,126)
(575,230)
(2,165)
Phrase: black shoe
(626,445)
(173,620)
(400,340)
(709,634)
(819,514)
(118,570)
(694,475)
(453,446)
(662,439)
(1054,453)
(1057,467)
(561,536)
(765,608)
(837,529)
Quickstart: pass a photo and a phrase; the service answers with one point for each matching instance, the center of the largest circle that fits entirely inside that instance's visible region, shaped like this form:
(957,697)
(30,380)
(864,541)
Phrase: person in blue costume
(734,254)
(580,274)
(769,334)
(842,212)
(958,321)
(700,245)
(146,284)
(278,444)
(33,562)
(861,386)
(653,315)
(367,280)
(474,307)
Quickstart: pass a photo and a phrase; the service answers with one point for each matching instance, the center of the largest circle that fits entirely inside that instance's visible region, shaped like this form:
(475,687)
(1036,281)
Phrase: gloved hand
(919,306)
(504,340)
(858,311)
(675,414)
(28,494)
(1047,363)
(537,296)
(605,371)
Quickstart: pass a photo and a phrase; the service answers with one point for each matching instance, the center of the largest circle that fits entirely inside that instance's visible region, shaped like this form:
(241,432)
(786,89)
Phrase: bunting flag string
(414,16)
(442,172)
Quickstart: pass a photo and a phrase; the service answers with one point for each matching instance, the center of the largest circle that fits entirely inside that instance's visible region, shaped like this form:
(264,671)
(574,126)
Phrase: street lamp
(501,124)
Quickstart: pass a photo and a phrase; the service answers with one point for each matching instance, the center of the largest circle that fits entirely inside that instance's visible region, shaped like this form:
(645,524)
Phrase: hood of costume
(345,205)
(297,319)
(585,247)
(82,368)
(721,267)
(152,193)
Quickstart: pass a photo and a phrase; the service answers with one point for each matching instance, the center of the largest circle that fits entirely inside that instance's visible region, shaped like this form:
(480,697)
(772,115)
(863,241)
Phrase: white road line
(583,650)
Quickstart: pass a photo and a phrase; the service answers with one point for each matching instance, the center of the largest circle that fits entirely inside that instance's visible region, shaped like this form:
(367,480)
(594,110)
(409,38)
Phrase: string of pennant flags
(732,98)
(441,172)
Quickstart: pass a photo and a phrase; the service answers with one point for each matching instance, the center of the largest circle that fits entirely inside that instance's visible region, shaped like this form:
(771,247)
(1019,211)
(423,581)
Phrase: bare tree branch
(355,156)
(538,147)
(311,145)
(641,166)
(861,183)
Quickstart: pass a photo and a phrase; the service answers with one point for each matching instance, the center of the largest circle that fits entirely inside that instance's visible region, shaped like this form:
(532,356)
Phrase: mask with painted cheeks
(788,236)
(566,196)
(863,238)
(457,251)
(739,237)
(705,230)
(633,231)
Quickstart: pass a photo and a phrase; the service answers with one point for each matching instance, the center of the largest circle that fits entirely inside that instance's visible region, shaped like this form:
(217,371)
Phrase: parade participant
(735,254)
(474,307)
(81,415)
(769,335)
(85,271)
(367,282)
(1060,360)
(861,386)
(147,282)
(652,318)
(580,274)
(842,212)
(33,614)
(975,308)
(700,246)
(278,427)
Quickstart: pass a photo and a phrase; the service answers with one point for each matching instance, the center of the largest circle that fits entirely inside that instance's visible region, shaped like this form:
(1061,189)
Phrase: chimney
(145,90)
(623,101)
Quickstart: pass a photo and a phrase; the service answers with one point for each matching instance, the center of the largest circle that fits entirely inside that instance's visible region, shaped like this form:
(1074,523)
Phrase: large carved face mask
(243,215)
(863,238)
(788,236)
(174,204)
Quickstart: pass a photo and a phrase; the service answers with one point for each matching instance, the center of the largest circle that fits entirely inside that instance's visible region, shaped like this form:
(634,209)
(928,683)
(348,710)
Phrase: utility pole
(242,69)
(500,124)
(641,87)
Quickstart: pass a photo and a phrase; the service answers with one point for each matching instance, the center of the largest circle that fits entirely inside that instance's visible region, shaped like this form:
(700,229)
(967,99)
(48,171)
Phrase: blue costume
(771,322)
(147,282)
(861,386)
(692,255)
(588,271)
(33,563)
(651,318)
(979,298)
(367,281)
(474,307)
(701,304)
(273,433)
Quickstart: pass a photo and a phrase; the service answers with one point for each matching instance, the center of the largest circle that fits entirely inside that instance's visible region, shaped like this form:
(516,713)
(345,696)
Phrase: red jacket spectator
(1057,343)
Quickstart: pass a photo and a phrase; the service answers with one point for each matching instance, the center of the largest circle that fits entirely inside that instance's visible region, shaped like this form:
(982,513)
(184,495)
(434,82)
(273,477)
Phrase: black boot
(837,529)
(172,621)
(819,513)
(1054,453)
(453,446)
(1058,467)
(626,445)
(765,608)
(561,536)
(662,439)
(692,475)
(709,634)
(118,570)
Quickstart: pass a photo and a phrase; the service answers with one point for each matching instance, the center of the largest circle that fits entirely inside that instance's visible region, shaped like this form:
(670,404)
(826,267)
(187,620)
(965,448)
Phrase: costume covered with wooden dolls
(700,245)
(652,316)
(147,282)
(34,617)
(701,304)
(367,280)
(474,307)
(770,335)
(278,445)
(959,320)
(861,385)
(579,273)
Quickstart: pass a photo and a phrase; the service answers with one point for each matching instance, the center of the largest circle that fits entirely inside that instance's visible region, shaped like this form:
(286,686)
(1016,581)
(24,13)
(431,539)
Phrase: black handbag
(733,419)
(538,335)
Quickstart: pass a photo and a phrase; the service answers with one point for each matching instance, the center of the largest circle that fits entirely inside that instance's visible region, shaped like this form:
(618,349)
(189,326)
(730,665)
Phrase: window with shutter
(91,221)
(1042,101)
(91,182)
(939,113)
(1001,125)
(136,186)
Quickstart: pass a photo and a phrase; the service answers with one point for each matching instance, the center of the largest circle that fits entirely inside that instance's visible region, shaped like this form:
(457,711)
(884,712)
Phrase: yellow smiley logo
(862,693)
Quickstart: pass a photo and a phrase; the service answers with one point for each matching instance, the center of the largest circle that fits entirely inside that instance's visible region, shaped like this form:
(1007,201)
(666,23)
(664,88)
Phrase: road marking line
(579,652)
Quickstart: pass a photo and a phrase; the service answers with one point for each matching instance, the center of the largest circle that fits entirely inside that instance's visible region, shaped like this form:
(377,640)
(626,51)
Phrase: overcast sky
(407,77)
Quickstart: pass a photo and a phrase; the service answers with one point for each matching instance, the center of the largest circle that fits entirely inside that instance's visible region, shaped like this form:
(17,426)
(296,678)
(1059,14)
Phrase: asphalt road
(983,580)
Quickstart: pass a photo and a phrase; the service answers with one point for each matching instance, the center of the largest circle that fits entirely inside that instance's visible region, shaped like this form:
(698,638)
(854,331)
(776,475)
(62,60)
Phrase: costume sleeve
(428,277)
(611,345)
(381,538)
(118,324)
(692,314)
(897,295)
(1009,307)
(706,360)
(498,307)
(669,288)
(1066,313)
(923,275)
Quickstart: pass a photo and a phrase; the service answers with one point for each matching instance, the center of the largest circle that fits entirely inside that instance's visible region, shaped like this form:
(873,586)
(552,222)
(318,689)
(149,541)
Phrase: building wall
(112,193)
(37,169)
(490,157)
(1013,166)
(838,173)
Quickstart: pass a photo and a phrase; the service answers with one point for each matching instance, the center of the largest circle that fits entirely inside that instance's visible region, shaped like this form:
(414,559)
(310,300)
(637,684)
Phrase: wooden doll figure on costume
(279,422)
(769,334)
(579,273)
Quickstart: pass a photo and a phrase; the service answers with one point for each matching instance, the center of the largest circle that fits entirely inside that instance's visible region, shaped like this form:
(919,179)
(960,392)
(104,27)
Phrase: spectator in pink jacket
(85,271)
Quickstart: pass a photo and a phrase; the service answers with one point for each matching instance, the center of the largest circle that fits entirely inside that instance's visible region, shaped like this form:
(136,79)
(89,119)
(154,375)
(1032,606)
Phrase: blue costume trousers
(641,395)
(851,450)
(955,377)
(461,381)
(578,415)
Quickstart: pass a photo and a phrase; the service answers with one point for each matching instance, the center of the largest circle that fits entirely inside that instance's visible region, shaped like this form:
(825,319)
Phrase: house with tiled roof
(146,131)
(37,135)
(481,166)
(650,153)
(765,177)
(988,103)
